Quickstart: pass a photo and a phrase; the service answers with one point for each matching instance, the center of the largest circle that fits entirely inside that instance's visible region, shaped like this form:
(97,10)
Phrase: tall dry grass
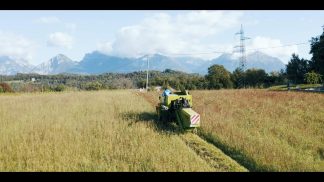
(87,131)
(280,131)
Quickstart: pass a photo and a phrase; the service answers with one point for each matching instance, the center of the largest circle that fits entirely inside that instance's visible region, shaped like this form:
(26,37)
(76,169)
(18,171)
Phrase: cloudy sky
(36,36)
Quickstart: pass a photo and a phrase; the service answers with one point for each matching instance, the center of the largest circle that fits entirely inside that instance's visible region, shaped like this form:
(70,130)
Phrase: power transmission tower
(147,58)
(242,63)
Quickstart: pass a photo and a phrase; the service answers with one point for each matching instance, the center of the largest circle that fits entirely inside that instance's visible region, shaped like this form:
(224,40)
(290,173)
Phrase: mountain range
(97,63)
(9,66)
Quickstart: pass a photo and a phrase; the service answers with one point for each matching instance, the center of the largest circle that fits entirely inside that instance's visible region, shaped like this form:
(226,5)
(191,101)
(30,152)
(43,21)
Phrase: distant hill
(253,60)
(97,63)
(56,65)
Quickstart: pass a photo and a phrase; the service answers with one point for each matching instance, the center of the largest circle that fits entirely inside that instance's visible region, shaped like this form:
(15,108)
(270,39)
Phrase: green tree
(317,51)
(278,77)
(296,69)
(255,77)
(218,77)
(238,77)
(313,78)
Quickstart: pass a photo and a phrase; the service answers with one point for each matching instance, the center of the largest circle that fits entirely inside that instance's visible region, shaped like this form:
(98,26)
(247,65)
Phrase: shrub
(93,86)
(313,78)
(59,88)
(4,87)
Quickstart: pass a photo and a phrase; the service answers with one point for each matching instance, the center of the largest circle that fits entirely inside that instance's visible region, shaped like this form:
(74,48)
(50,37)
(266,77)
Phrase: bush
(59,88)
(313,78)
(4,87)
(93,86)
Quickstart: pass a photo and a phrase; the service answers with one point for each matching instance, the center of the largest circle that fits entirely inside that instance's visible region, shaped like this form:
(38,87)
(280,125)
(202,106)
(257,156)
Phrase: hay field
(88,131)
(265,130)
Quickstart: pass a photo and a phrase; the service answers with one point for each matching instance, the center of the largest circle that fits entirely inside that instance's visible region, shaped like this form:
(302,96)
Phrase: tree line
(218,77)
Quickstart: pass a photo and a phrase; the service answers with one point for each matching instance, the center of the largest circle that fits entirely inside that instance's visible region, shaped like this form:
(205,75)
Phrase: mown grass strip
(212,155)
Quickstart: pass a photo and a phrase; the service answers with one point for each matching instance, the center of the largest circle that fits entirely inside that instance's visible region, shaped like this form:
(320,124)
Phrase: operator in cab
(166,92)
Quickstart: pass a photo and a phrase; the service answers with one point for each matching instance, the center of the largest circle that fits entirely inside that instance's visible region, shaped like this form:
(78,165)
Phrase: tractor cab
(177,106)
(168,97)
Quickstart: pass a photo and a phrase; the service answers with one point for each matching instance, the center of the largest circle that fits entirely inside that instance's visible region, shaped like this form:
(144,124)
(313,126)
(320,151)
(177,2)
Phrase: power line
(227,52)
(212,52)
(277,46)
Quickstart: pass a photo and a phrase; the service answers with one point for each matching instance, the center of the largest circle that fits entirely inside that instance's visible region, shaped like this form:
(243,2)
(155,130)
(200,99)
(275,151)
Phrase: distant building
(33,79)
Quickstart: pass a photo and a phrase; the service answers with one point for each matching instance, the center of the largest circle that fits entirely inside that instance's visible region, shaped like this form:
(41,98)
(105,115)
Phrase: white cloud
(274,49)
(60,39)
(166,34)
(16,46)
(105,47)
(48,20)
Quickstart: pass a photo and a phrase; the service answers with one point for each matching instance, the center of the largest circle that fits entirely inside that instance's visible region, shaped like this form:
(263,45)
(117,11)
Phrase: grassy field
(264,130)
(116,131)
(88,131)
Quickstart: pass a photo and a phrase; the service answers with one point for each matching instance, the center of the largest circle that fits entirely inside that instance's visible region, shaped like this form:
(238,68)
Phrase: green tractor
(177,107)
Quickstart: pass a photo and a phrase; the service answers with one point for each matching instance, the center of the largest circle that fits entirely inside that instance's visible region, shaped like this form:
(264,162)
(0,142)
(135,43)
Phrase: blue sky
(39,35)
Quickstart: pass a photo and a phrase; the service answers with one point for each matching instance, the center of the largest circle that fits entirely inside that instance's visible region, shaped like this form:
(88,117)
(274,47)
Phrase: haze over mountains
(97,63)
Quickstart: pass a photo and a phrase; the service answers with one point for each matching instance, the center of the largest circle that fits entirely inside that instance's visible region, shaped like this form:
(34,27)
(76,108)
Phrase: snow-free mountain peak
(58,64)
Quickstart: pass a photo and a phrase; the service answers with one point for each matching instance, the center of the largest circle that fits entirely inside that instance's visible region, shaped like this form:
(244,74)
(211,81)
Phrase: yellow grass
(87,131)
(280,131)
(114,131)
